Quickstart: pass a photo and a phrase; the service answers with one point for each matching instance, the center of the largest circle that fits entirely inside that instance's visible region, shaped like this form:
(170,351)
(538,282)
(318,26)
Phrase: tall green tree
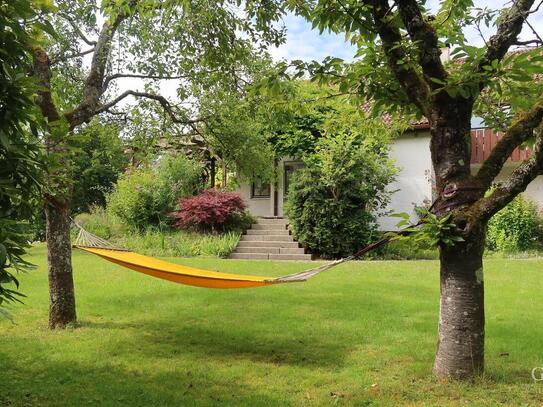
(20,151)
(150,41)
(99,159)
(398,66)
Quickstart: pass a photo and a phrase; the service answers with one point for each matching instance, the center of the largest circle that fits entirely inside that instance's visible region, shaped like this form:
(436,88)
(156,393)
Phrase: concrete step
(285,250)
(290,257)
(270,238)
(271,221)
(274,250)
(268,226)
(267,232)
(264,256)
(249,256)
(270,250)
(256,243)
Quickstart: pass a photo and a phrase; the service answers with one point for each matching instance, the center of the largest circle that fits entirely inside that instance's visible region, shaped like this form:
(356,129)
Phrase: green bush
(408,249)
(332,201)
(517,227)
(145,197)
(239,222)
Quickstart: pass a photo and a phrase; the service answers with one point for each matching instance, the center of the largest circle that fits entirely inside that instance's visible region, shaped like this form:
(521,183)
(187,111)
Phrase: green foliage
(98,160)
(332,201)
(145,197)
(517,227)
(431,229)
(235,119)
(305,112)
(407,249)
(510,84)
(296,122)
(20,153)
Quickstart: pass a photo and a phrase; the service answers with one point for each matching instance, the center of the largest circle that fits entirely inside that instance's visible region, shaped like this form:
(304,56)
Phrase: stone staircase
(269,238)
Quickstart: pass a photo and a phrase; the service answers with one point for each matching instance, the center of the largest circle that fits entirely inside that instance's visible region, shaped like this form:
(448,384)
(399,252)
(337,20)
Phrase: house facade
(414,183)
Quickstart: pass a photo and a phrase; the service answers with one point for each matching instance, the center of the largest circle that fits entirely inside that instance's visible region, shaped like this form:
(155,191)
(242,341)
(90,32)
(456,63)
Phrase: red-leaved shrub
(212,210)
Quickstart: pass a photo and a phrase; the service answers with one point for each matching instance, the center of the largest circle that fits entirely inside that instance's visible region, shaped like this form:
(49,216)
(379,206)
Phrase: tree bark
(59,257)
(460,350)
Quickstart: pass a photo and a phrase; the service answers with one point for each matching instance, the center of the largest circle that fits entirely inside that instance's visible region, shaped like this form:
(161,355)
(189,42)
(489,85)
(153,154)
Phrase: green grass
(359,335)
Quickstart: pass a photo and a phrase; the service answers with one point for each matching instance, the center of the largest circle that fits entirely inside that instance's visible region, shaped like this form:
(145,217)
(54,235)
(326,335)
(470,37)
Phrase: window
(260,189)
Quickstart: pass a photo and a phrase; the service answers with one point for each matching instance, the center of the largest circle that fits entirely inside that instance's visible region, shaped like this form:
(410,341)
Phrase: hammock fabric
(184,274)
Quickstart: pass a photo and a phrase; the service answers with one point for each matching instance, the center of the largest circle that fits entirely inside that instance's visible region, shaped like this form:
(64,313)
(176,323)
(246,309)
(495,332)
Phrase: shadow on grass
(74,384)
(154,339)
(304,328)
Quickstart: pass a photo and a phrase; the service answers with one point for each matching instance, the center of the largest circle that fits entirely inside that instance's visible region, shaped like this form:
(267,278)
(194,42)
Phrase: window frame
(258,196)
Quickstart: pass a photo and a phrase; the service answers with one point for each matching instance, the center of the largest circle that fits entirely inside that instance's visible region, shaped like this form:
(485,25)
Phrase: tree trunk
(224,175)
(59,258)
(212,172)
(460,350)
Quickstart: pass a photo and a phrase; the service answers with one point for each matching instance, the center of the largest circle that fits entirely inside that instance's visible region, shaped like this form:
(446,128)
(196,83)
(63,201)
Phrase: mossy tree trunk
(59,257)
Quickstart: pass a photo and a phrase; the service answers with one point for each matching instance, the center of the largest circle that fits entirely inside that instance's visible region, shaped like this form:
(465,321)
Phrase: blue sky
(306,44)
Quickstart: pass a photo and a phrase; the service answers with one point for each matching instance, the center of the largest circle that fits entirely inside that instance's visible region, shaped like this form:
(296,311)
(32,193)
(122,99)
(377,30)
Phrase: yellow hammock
(184,274)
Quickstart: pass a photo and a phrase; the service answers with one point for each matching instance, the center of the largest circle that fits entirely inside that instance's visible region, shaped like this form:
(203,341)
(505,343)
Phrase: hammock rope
(212,279)
(183,274)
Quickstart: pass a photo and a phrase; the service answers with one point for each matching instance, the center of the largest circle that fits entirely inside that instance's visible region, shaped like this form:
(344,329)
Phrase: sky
(306,44)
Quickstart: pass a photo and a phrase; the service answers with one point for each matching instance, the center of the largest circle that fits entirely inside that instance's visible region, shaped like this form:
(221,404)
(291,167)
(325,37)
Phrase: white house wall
(413,184)
(534,191)
(256,206)
(264,206)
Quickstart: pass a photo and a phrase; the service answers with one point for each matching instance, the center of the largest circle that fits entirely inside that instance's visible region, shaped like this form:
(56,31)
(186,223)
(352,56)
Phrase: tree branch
(520,131)
(534,31)
(70,56)
(529,42)
(506,34)
(424,36)
(42,71)
(94,88)
(142,76)
(77,29)
(415,87)
(516,183)
(166,105)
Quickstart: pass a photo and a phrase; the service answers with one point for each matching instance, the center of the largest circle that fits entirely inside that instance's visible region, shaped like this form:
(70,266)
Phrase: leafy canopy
(20,153)
(509,84)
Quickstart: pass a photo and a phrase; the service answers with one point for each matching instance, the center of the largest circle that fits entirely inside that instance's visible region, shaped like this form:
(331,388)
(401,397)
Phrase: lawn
(361,334)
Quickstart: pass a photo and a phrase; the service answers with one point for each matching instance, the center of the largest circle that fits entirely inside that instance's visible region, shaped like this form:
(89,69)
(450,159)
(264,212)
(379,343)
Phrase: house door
(290,168)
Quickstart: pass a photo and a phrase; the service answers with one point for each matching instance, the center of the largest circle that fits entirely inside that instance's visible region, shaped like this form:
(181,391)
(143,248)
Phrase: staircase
(269,239)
